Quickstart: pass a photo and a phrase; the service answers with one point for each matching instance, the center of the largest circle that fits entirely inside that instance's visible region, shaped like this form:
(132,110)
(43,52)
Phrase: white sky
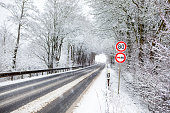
(40,5)
(86,10)
(101,58)
(3,13)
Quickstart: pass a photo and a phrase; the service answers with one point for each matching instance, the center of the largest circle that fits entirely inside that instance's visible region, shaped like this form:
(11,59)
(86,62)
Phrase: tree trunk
(68,54)
(18,37)
(16,48)
(129,42)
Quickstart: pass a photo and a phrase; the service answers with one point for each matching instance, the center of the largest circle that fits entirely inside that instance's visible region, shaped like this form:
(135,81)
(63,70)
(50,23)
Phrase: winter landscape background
(40,34)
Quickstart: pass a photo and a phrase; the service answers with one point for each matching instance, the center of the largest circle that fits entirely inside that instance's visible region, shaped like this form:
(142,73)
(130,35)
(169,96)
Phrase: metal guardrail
(48,71)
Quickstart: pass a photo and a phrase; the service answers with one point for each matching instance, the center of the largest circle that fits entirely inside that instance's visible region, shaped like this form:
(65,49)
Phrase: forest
(71,32)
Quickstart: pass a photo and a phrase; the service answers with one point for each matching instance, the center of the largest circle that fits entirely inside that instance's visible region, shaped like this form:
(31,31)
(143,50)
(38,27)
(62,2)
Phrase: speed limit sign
(121,46)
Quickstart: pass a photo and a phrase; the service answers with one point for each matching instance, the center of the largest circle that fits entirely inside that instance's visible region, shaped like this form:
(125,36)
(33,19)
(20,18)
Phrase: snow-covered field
(101,99)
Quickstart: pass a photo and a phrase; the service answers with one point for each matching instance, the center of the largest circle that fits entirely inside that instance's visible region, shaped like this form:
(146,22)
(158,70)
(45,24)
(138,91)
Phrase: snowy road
(47,94)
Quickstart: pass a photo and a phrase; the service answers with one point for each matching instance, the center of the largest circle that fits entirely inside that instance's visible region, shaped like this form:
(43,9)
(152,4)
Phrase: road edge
(74,105)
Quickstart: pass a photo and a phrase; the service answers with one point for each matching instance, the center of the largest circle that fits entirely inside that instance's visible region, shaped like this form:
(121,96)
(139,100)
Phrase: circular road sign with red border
(121,46)
(120,57)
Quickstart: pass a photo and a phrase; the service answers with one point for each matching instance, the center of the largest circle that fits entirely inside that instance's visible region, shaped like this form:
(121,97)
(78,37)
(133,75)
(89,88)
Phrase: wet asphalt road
(16,95)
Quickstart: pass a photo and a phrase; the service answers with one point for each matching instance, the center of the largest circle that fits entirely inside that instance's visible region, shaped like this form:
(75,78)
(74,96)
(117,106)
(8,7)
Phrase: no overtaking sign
(120,57)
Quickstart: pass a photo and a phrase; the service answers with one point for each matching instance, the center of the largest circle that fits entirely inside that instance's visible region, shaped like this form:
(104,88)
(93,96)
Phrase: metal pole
(119,79)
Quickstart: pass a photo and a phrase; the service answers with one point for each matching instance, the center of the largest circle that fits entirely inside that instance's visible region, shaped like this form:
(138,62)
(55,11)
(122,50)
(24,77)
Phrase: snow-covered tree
(21,13)
(57,24)
(6,47)
(144,26)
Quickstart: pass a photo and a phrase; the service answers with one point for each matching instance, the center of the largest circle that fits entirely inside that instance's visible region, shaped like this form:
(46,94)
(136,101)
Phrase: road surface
(14,96)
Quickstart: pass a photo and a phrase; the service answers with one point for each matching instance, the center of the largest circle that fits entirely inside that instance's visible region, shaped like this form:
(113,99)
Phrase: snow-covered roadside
(93,100)
(123,103)
(100,99)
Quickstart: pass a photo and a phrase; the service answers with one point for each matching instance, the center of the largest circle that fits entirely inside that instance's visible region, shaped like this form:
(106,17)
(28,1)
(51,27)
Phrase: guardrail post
(22,77)
(12,78)
(30,75)
(42,73)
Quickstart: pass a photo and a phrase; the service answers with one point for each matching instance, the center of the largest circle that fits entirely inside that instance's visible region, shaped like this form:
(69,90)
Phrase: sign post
(119,79)
(120,57)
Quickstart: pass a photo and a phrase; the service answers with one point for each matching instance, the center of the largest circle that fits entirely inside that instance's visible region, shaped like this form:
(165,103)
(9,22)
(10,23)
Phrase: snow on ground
(101,99)
(93,101)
